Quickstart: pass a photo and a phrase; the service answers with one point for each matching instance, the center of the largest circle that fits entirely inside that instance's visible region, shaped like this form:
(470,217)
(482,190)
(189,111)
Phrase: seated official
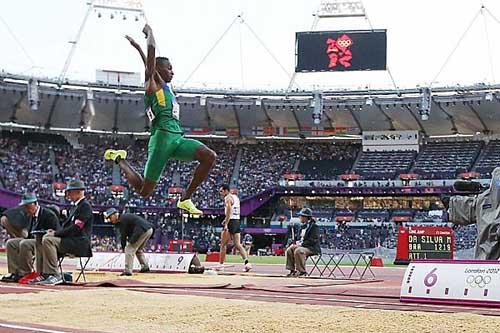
(20,251)
(307,244)
(134,233)
(16,222)
(72,239)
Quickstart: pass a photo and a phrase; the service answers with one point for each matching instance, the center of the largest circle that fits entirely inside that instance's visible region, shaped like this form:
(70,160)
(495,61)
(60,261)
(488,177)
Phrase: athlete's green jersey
(167,139)
(163,110)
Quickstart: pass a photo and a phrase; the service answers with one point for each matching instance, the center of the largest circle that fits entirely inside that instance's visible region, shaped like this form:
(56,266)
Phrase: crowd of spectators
(346,237)
(26,168)
(263,164)
(354,238)
(206,239)
(324,161)
(465,236)
(30,167)
(35,166)
(87,165)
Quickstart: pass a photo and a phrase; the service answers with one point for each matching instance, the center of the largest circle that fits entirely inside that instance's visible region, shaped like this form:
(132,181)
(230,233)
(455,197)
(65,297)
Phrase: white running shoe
(247,267)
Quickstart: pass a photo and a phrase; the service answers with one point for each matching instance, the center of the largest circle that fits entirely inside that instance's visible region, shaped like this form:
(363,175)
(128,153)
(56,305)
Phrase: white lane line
(27,328)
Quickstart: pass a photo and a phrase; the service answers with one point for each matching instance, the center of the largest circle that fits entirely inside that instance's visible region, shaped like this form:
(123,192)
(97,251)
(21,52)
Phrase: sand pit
(122,310)
(117,310)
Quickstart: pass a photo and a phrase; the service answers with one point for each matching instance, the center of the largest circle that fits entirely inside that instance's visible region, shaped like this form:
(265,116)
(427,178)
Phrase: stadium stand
(352,238)
(384,164)
(326,161)
(489,159)
(263,164)
(445,160)
(34,164)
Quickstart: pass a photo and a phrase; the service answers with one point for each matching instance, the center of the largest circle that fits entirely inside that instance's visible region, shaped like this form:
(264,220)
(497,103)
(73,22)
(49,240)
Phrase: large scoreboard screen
(321,51)
(416,243)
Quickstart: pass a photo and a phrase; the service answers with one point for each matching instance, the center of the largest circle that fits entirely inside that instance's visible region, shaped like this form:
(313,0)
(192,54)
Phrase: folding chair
(83,264)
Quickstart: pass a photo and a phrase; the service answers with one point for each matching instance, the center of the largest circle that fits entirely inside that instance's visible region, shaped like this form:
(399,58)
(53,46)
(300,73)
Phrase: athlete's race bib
(175,110)
(150,114)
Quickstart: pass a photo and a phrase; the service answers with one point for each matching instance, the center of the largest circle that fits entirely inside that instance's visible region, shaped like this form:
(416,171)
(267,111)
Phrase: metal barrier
(329,264)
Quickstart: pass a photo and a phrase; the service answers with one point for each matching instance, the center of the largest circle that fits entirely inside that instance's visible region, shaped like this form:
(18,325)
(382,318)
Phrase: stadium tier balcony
(445,160)
(327,161)
(384,164)
(263,163)
(489,159)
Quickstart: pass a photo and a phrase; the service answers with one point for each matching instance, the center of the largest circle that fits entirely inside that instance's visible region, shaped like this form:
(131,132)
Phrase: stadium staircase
(73,141)
(116,175)
(236,171)
(2,181)
(358,156)
(53,163)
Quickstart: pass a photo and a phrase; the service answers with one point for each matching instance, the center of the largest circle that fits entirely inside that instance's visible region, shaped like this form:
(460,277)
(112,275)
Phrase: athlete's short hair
(225,187)
(162,60)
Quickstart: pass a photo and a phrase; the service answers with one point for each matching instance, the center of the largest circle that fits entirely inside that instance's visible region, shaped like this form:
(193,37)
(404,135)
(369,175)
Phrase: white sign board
(390,140)
(459,282)
(158,262)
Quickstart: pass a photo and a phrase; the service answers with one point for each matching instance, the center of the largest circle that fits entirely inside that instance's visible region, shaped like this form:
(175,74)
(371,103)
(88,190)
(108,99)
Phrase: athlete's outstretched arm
(151,85)
(137,47)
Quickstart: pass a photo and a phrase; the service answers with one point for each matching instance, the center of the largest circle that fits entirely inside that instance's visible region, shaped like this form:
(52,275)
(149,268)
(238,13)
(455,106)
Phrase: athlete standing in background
(231,227)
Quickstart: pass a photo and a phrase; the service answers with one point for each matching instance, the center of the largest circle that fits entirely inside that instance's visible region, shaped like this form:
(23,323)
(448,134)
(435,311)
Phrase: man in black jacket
(20,251)
(307,244)
(134,233)
(73,238)
(16,222)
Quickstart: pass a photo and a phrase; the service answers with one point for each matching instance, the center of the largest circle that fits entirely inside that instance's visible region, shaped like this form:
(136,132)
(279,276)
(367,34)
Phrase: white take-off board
(158,262)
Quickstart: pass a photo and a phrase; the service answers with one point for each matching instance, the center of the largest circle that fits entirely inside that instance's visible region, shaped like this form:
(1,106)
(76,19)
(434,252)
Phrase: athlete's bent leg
(144,187)
(206,157)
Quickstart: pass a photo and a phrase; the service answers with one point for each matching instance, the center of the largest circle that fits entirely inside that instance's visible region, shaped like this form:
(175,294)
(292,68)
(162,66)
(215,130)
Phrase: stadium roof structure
(78,106)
